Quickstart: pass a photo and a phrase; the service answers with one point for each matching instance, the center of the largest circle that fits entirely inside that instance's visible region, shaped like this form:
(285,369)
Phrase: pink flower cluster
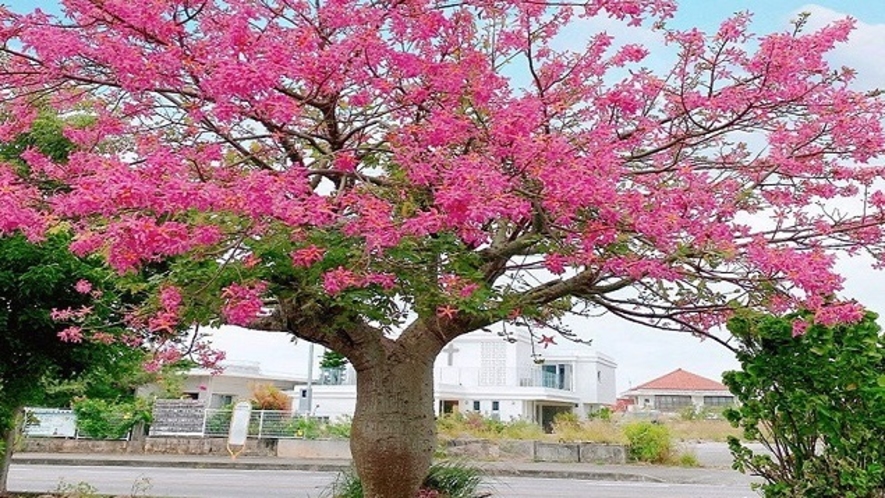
(165,320)
(398,129)
(243,303)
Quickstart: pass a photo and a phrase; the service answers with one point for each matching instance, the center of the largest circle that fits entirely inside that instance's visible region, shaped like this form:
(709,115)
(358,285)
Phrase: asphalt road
(220,483)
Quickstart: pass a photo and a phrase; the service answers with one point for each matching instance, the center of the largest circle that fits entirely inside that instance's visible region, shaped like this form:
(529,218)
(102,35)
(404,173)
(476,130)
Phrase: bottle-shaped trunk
(394,430)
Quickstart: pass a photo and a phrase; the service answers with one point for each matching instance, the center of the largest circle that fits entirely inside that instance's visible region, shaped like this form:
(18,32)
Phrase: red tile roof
(681,380)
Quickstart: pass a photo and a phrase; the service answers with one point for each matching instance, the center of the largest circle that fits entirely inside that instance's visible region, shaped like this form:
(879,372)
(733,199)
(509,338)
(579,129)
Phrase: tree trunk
(394,432)
(9,438)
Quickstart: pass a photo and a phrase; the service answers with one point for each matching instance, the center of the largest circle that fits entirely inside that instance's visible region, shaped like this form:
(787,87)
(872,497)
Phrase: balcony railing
(504,377)
(552,377)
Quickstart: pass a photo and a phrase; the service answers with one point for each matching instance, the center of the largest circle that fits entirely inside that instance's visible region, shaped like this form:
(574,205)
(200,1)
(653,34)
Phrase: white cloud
(862,52)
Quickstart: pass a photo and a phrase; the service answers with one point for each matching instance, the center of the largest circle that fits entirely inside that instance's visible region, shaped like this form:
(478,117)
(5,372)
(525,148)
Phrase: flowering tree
(383,177)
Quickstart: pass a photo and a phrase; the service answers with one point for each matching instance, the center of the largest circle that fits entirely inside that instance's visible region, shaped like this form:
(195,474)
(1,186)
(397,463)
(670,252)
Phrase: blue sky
(770,14)
(644,354)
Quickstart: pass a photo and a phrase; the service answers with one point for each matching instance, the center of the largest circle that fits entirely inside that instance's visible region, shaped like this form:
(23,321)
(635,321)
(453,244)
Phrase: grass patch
(570,429)
(702,430)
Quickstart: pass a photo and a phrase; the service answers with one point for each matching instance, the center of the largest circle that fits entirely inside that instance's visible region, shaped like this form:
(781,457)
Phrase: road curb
(574,475)
(183,464)
(493,472)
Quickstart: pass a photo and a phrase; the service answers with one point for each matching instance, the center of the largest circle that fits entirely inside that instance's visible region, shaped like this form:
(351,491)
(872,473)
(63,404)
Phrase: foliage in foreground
(444,480)
(108,419)
(816,400)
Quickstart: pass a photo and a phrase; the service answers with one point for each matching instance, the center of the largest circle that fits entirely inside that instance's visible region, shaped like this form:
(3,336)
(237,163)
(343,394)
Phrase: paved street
(230,483)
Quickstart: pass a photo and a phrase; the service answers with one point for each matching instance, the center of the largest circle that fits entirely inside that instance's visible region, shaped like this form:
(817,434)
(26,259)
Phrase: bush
(605,414)
(444,480)
(306,427)
(816,401)
(649,442)
(103,419)
(269,397)
(687,460)
(522,429)
(339,429)
(472,424)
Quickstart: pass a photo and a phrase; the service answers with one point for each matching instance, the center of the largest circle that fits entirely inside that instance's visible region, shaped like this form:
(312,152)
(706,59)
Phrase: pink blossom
(243,303)
(799,327)
(555,263)
(170,298)
(833,314)
(468,289)
(386,281)
(83,286)
(104,337)
(307,256)
(71,334)
(339,279)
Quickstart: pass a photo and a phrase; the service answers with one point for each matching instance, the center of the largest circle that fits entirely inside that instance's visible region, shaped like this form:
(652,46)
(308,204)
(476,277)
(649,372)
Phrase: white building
(236,383)
(676,391)
(483,372)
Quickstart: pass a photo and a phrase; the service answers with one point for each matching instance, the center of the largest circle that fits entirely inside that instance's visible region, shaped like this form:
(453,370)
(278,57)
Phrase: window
(670,403)
(495,406)
(718,400)
(557,376)
(476,406)
(221,400)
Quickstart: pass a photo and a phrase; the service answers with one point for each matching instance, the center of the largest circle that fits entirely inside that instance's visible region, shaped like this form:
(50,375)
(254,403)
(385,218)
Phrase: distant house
(235,383)
(524,378)
(675,391)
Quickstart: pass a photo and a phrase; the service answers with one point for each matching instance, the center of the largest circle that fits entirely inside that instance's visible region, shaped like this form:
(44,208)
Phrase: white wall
(332,401)
(607,392)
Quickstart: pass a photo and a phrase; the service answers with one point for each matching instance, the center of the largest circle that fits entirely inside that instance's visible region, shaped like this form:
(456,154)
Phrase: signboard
(178,417)
(50,422)
(239,424)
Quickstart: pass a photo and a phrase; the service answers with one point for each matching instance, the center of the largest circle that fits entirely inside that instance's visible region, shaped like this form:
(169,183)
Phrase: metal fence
(263,424)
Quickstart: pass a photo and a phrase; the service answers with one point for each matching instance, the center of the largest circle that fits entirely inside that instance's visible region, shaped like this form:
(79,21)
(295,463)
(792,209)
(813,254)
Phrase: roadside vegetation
(654,442)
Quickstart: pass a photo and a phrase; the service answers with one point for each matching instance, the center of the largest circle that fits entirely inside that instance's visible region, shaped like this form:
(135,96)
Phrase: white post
(260,422)
(310,380)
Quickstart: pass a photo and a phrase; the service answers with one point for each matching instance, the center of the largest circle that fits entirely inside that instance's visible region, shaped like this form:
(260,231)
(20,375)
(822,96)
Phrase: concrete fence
(535,451)
(148,445)
(339,449)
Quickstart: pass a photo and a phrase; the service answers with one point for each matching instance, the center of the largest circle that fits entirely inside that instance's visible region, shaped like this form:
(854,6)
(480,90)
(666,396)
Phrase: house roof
(682,380)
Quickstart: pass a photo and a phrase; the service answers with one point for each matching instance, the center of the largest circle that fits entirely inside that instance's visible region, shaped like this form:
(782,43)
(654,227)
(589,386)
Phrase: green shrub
(444,480)
(339,429)
(103,419)
(816,401)
(604,414)
(454,480)
(306,427)
(649,442)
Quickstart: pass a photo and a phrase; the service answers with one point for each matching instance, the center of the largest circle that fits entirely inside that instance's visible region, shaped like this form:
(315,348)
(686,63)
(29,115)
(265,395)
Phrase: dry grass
(596,431)
(570,429)
(473,425)
(702,430)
